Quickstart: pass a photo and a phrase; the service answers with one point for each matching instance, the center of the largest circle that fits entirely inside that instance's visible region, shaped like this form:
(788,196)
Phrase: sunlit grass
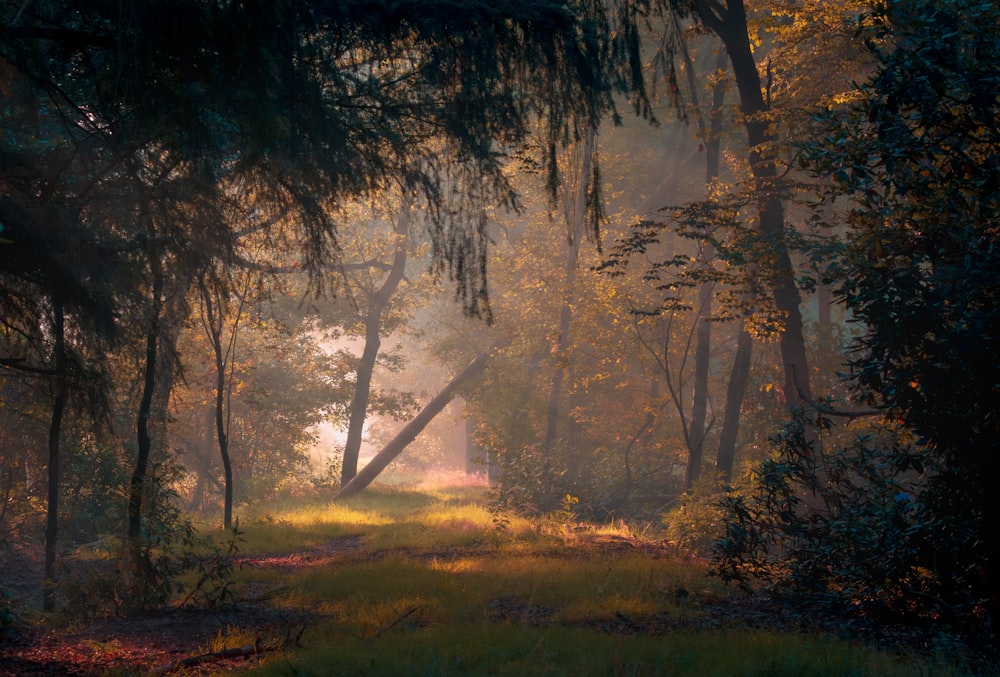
(430,582)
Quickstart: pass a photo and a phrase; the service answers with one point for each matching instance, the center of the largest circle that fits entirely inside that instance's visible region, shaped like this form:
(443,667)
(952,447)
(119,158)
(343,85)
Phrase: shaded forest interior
(722,276)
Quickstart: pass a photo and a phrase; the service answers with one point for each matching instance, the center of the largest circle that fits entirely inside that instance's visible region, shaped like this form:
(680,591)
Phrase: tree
(918,158)
(413,428)
(216,312)
(729,22)
(377,302)
(578,199)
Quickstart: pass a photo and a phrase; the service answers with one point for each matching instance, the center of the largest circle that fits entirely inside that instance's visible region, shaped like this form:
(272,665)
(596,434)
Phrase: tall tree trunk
(553,408)
(373,341)
(712,133)
(730,24)
(735,392)
(213,320)
(55,432)
(137,485)
(575,205)
(222,434)
(397,444)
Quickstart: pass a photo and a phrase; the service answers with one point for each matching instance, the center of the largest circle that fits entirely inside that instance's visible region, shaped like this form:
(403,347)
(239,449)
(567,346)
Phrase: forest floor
(260,622)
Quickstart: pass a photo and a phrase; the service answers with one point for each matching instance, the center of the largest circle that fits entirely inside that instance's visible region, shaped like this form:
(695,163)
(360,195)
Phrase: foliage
(110,576)
(697,520)
(95,488)
(10,617)
(282,385)
(847,530)
(918,156)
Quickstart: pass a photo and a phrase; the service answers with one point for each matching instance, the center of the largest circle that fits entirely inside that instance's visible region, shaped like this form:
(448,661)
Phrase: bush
(847,529)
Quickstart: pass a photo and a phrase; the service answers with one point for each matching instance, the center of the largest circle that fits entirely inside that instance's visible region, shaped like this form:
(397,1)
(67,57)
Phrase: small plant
(698,520)
(214,573)
(566,512)
(328,481)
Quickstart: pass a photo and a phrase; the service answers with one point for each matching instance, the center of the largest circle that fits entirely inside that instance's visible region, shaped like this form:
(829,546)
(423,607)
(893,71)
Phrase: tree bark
(55,431)
(373,341)
(730,24)
(397,444)
(137,485)
(735,392)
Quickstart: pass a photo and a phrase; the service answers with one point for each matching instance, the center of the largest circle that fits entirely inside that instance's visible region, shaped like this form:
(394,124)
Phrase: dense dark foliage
(142,140)
(919,158)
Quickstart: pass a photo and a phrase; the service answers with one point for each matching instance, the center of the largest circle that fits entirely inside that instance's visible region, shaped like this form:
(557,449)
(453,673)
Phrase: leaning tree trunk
(55,430)
(397,444)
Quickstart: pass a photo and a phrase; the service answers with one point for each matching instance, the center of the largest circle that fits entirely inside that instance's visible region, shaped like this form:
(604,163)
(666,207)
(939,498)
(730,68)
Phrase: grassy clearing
(423,581)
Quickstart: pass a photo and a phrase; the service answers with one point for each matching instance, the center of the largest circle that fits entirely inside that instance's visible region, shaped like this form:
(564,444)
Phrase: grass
(428,584)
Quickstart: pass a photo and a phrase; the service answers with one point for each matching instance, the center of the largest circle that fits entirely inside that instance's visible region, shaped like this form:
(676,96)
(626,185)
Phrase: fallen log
(224,654)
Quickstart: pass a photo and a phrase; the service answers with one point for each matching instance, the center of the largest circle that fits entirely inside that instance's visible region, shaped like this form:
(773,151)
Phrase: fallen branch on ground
(225,654)
(258,647)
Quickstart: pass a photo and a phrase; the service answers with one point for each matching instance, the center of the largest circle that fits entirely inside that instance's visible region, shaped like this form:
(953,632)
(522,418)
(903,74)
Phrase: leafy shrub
(111,576)
(698,519)
(848,529)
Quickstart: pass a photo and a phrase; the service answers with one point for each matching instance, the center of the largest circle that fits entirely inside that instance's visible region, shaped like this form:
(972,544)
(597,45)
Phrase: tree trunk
(366,367)
(553,406)
(734,403)
(137,485)
(397,444)
(730,25)
(55,431)
(222,434)
(575,205)
(213,319)
(712,134)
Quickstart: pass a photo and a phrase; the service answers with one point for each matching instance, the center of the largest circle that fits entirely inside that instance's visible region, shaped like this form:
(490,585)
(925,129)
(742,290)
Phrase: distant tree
(729,22)
(578,198)
(376,305)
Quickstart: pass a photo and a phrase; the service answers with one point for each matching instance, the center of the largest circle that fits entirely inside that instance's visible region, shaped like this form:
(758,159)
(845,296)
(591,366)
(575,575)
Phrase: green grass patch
(517,650)
(426,581)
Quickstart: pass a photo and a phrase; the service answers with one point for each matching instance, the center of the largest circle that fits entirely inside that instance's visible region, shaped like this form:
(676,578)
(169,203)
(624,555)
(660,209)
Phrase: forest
(515,337)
